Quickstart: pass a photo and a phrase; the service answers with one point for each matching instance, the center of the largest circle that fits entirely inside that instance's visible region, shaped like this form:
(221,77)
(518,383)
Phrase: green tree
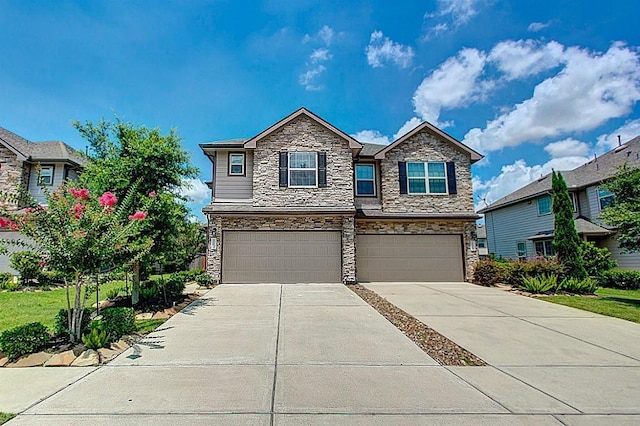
(27,263)
(565,238)
(624,213)
(122,154)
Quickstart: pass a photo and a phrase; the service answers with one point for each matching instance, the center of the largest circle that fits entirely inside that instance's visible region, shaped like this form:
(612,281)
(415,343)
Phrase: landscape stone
(107,354)
(120,346)
(170,311)
(4,361)
(160,315)
(87,358)
(63,359)
(144,315)
(104,304)
(31,360)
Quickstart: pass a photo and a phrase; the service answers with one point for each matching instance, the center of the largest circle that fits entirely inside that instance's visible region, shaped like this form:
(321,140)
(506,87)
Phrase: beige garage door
(406,258)
(281,257)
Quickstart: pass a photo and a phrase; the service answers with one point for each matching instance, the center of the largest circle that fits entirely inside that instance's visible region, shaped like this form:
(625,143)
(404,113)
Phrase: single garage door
(281,257)
(407,258)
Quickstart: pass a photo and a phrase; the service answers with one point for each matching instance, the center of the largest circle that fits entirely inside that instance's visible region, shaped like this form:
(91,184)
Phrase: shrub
(27,263)
(205,280)
(7,282)
(61,322)
(113,293)
(117,322)
(620,278)
(24,339)
(174,286)
(52,278)
(149,292)
(577,286)
(487,273)
(518,270)
(596,260)
(540,284)
(96,338)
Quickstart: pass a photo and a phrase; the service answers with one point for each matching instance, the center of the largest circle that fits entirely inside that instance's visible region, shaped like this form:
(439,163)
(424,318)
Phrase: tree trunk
(135,284)
(76,324)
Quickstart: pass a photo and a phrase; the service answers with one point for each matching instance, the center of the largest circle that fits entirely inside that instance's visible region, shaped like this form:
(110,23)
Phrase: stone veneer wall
(218,224)
(396,227)
(12,174)
(424,147)
(303,134)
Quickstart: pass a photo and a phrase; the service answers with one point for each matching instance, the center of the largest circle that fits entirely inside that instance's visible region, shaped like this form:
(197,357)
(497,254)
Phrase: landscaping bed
(434,344)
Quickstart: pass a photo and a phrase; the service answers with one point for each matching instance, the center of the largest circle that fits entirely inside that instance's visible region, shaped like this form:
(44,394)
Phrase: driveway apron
(277,354)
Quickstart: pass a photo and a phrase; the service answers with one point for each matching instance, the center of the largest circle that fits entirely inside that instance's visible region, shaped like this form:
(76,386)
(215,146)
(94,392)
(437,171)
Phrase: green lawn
(623,304)
(5,417)
(17,308)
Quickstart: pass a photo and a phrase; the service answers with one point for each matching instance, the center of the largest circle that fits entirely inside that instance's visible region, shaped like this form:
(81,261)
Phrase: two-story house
(303,201)
(38,166)
(520,225)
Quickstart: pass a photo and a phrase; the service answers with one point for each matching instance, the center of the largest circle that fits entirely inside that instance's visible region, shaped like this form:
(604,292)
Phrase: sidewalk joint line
(275,365)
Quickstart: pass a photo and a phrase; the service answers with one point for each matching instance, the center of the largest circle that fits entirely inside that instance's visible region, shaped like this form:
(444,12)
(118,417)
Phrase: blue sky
(533,85)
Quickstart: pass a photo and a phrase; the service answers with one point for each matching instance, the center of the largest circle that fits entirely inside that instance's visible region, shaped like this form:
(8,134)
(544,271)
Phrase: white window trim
(52,175)
(426,178)
(544,247)
(574,200)
(373,179)
(289,169)
(601,198)
(550,205)
(244,160)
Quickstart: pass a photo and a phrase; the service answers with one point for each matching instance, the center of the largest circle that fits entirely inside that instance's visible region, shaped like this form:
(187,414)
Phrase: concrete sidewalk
(298,354)
(585,361)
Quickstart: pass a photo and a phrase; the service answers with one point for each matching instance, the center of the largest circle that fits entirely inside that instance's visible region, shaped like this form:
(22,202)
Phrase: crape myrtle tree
(566,242)
(624,213)
(122,154)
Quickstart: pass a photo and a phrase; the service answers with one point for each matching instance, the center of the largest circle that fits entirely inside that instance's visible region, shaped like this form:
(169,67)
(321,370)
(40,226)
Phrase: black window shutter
(322,169)
(284,170)
(451,178)
(402,176)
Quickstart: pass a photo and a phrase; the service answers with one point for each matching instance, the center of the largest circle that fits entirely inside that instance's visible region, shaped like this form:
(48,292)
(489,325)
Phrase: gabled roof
(590,173)
(41,151)
(475,156)
(353,144)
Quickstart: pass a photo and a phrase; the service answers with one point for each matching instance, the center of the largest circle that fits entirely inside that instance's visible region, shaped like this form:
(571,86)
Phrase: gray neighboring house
(36,165)
(520,225)
(303,201)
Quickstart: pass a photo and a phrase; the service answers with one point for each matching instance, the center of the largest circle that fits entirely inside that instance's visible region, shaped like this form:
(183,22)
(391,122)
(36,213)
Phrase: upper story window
(237,164)
(303,169)
(365,180)
(427,178)
(574,201)
(544,205)
(45,176)
(482,243)
(605,198)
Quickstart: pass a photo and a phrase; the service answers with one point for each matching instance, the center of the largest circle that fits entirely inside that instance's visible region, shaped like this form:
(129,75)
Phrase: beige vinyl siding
(515,223)
(625,260)
(232,187)
(38,192)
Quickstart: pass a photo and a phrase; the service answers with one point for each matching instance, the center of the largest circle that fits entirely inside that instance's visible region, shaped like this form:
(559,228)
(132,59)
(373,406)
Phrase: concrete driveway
(317,354)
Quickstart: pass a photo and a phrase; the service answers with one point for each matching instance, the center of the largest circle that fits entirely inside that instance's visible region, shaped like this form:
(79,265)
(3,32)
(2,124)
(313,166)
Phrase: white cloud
(451,14)
(591,89)
(522,58)
(307,79)
(567,148)
(371,136)
(320,55)
(406,127)
(314,66)
(325,35)
(515,176)
(382,50)
(538,26)
(628,131)
(453,84)
(195,190)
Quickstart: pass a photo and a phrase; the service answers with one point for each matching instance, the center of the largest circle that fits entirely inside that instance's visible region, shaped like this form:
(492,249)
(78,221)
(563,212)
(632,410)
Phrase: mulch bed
(434,344)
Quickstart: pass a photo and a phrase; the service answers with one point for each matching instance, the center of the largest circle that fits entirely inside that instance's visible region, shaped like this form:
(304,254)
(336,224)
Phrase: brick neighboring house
(520,225)
(304,202)
(36,165)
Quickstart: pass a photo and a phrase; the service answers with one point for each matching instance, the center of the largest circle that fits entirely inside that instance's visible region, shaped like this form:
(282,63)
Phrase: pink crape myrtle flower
(78,210)
(108,200)
(4,222)
(82,193)
(152,194)
(138,215)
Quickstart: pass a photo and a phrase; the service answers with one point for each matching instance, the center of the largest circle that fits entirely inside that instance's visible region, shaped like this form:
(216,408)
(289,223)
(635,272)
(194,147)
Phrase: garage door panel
(404,258)
(281,256)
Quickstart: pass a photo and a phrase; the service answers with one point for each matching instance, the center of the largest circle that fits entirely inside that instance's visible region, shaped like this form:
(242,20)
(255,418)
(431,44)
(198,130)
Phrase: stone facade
(396,227)
(303,134)
(12,173)
(424,147)
(218,224)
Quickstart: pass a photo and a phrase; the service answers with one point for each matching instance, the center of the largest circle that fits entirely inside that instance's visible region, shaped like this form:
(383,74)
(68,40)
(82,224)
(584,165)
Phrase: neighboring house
(520,225)
(303,201)
(35,165)
(483,249)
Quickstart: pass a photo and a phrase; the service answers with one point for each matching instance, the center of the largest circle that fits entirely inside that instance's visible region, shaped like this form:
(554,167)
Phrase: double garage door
(315,256)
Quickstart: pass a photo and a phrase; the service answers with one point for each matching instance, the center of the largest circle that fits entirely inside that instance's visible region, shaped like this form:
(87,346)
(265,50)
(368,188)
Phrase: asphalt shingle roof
(37,151)
(588,174)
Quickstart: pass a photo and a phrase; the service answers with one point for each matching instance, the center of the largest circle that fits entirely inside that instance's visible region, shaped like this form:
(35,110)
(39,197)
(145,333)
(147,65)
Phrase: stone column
(471,257)
(348,250)
(214,247)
